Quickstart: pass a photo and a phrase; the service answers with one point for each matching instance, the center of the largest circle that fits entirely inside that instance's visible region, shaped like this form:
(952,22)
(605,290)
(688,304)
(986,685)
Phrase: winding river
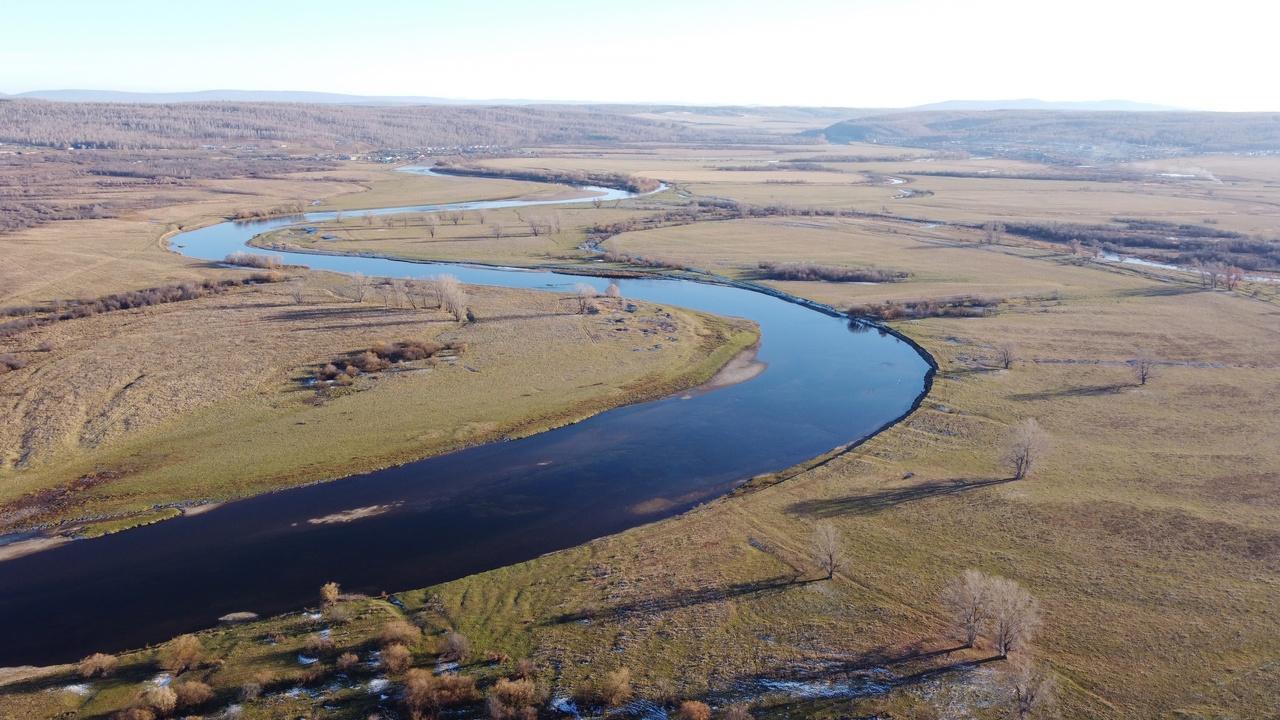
(484,507)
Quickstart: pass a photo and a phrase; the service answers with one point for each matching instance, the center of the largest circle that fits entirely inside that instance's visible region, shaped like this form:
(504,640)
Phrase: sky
(853,53)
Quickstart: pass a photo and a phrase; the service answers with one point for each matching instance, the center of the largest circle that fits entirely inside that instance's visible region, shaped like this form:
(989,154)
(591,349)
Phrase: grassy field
(1148,533)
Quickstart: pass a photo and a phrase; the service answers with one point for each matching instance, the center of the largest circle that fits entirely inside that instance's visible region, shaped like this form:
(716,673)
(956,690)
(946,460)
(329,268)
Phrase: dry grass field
(1148,533)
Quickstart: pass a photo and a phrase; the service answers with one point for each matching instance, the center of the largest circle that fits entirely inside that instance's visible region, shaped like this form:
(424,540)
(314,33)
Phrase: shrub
(612,690)
(254,260)
(400,632)
(347,661)
(456,647)
(330,591)
(370,362)
(829,273)
(250,691)
(396,658)
(161,700)
(181,653)
(98,664)
(512,699)
(192,692)
(318,645)
(9,362)
(135,713)
(693,710)
(737,712)
(426,694)
(525,669)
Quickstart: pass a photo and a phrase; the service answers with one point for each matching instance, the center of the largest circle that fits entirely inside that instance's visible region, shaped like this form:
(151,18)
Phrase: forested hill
(189,125)
(1066,135)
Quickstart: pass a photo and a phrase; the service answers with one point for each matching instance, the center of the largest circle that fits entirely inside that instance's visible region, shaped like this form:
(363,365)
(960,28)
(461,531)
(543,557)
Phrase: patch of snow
(78,688)
(305,660)
(564,706)
(443,668)
(378,684)
(162,679)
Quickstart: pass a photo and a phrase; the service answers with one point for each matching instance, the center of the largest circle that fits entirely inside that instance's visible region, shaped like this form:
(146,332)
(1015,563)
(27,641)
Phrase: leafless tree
(586,295)
(297,291)
(452,297)
(1034,693)
(1005,356)
(991,232)
(1026,443)
(359,286)
(827,554)
(1015,615)
(556,221)
(495,228)
(431,223)
(1143,366)
(480,218)
(456,217)
(967,599)
(614,290)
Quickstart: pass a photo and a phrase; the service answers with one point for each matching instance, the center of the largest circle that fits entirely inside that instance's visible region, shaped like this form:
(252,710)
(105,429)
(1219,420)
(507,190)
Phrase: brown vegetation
(427,695)
(827,273)
(254,260)
(961,306)
(98,665)
(181,653)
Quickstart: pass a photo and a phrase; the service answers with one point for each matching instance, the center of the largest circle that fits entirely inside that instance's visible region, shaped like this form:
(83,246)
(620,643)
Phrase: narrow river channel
(469,511)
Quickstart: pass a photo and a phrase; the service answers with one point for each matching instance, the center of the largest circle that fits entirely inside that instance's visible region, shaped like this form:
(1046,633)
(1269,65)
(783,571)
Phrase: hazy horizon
(867,54)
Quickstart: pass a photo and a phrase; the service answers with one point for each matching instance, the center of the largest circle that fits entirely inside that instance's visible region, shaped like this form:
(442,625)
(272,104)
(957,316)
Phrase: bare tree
(495,228)
(1143,366)
(991,232)
(614,290)
(1025,445)
(1034,693)
(826,550)
(1005,356)
(452,298)
(586,297)
(431,223)
(1015,615)
(359,286)
(556,221)
(297,291)
(967,599)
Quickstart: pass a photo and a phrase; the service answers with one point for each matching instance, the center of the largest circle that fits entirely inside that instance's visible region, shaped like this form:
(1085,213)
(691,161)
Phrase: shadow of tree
(872,503)
(683,599)
(1088,391)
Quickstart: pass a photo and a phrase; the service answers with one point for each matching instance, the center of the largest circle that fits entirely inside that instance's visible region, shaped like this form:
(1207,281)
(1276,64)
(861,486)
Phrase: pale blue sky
(871,53)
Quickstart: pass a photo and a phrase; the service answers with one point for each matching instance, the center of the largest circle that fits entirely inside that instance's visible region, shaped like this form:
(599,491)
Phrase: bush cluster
(828,273)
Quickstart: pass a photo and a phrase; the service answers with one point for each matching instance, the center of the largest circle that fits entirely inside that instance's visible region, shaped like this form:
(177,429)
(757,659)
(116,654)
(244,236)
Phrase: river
(826,384)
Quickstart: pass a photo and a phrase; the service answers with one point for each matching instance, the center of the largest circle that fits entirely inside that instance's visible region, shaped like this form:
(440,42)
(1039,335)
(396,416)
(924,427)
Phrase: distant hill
(291,96)
(1065,136)
(1033,104)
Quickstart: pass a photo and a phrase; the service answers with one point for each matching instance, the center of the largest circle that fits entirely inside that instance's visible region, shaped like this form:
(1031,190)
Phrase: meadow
(1147,531)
